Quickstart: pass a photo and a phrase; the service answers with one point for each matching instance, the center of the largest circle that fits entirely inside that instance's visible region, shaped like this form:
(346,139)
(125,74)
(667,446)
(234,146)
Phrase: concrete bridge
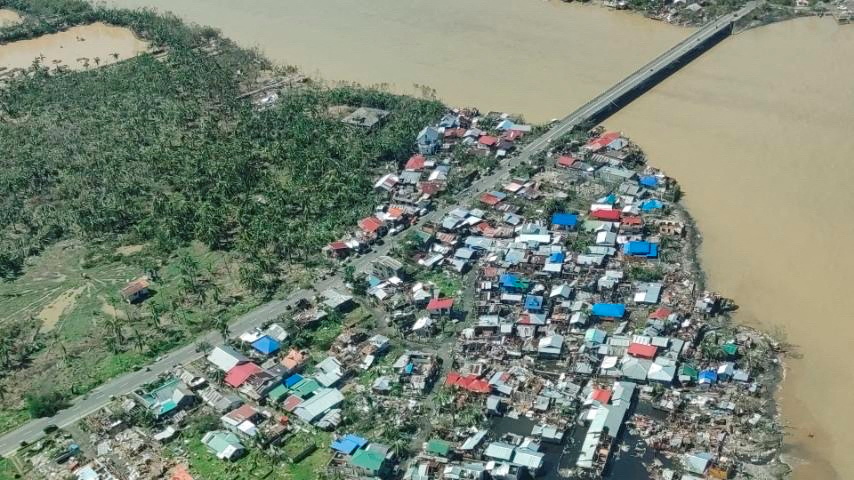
(644,78)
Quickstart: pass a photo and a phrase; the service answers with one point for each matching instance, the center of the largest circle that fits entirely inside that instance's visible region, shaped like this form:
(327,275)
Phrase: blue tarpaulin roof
(557,257)
(348,444)
(565,219)
(293,380)
(533,302)
(640,249)
(512,281)
(709,376)
(616,310)
(650,205)
(266,345)
(612,199)
(649,181)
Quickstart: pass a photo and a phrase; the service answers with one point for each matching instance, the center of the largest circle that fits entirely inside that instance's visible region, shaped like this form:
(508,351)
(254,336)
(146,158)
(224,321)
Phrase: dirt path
(52,312)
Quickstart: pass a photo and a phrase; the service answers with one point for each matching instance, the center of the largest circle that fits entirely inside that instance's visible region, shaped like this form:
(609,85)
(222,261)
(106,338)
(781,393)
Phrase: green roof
(305,387)
(367,459)
(438,447)
(689,371)
(730,349)
(221,440)
(278,392)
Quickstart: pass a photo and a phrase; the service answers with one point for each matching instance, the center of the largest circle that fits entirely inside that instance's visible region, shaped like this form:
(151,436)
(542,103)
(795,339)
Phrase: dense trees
(163,150)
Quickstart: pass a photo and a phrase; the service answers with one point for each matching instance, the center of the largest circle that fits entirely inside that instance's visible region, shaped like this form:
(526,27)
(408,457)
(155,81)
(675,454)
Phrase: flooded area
(757,131)
(531,57)
(78,48)
(8,17)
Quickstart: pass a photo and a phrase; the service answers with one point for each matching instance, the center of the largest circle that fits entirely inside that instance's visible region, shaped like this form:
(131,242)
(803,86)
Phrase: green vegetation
(645,274)
(45,404)
(220,204)
(448,285)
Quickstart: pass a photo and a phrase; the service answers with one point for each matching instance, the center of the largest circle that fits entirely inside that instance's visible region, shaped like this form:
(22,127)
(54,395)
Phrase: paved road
(99,397)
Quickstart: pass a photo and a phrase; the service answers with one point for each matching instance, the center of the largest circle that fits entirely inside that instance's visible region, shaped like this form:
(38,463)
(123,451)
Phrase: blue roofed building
(513,283)
(651,205)
(609,310)
(707,377)
(348,444)
(564,221)
(267,345)
(650,181)
(293,380)
(533,303)
(641,249)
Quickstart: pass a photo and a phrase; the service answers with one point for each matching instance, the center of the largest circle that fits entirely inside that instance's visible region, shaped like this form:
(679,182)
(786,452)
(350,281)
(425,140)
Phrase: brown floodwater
(75,48)
(758,131)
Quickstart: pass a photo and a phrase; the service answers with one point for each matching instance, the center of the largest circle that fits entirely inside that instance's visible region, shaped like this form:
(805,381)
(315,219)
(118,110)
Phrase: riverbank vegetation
(159,166)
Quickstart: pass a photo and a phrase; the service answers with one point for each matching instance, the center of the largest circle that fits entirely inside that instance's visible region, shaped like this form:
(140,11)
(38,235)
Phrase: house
(225,445)
(168,398)
(640,350)
(648,293)
(136,290)
(437,447)
(242,419)
(386,267)
(372,226)
(565,161)
(337,301)
(564,221)
(328,372)
(440,306)
(266,345)
(348,444)
(609,311)
(429,140)
(550,346)
(372,461)
(294,360)
(239,374)
(323,400)
(641,249)
(226,357)
(608,215)
(366,117)
(415,163)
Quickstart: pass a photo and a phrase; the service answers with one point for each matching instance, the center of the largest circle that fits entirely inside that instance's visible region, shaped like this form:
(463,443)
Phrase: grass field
(73,294)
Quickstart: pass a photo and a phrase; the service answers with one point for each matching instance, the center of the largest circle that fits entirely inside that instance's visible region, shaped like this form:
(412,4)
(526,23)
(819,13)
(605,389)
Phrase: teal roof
(278,392)
(367,459)
(221,440)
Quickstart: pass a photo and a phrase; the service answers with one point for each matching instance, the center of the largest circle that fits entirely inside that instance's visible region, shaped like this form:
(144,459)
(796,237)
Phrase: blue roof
(649,181)
(533,302)
(509,280)
(557,257)
(709,375)
(641,249)
(409,368)
(373,280)
(612,199)
(348,444)
(651,205)
(565,219)
(616,310)
(266,345)
(293,380)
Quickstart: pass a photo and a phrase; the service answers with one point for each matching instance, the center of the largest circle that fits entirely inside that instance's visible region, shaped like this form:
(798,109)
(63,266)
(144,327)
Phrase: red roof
(429,188)
(485,229)
(512,135)
(370,224)
(490,199)
(291,403)
(660,313)
(487,140)
(395,213)
(338,246)
(601,395)
(455,132)
(468,382)
(440,304)
(416,162)
(565,161)
(180,473)
(602,141)
(643,351)
(611,215)
(238,375)
(632,220)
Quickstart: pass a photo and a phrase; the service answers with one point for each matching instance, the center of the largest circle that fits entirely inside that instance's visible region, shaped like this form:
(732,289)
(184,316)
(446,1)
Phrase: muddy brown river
(758,131)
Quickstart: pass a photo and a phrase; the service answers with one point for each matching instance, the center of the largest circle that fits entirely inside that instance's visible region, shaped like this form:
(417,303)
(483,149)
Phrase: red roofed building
(513,135)
(487,140)
(338,249)
(490,199)
(454,132)
(565,161)
(643,351)
(469,382)
(371,225)
(429,188)
(661,313)
(602,141)
(440,305)
(607,215)
(415,163)
(238,375)
(291,403)
(601,395)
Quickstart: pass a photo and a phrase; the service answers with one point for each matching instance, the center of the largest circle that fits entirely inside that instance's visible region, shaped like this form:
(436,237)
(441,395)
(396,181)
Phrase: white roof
(225,357)
(499,450)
